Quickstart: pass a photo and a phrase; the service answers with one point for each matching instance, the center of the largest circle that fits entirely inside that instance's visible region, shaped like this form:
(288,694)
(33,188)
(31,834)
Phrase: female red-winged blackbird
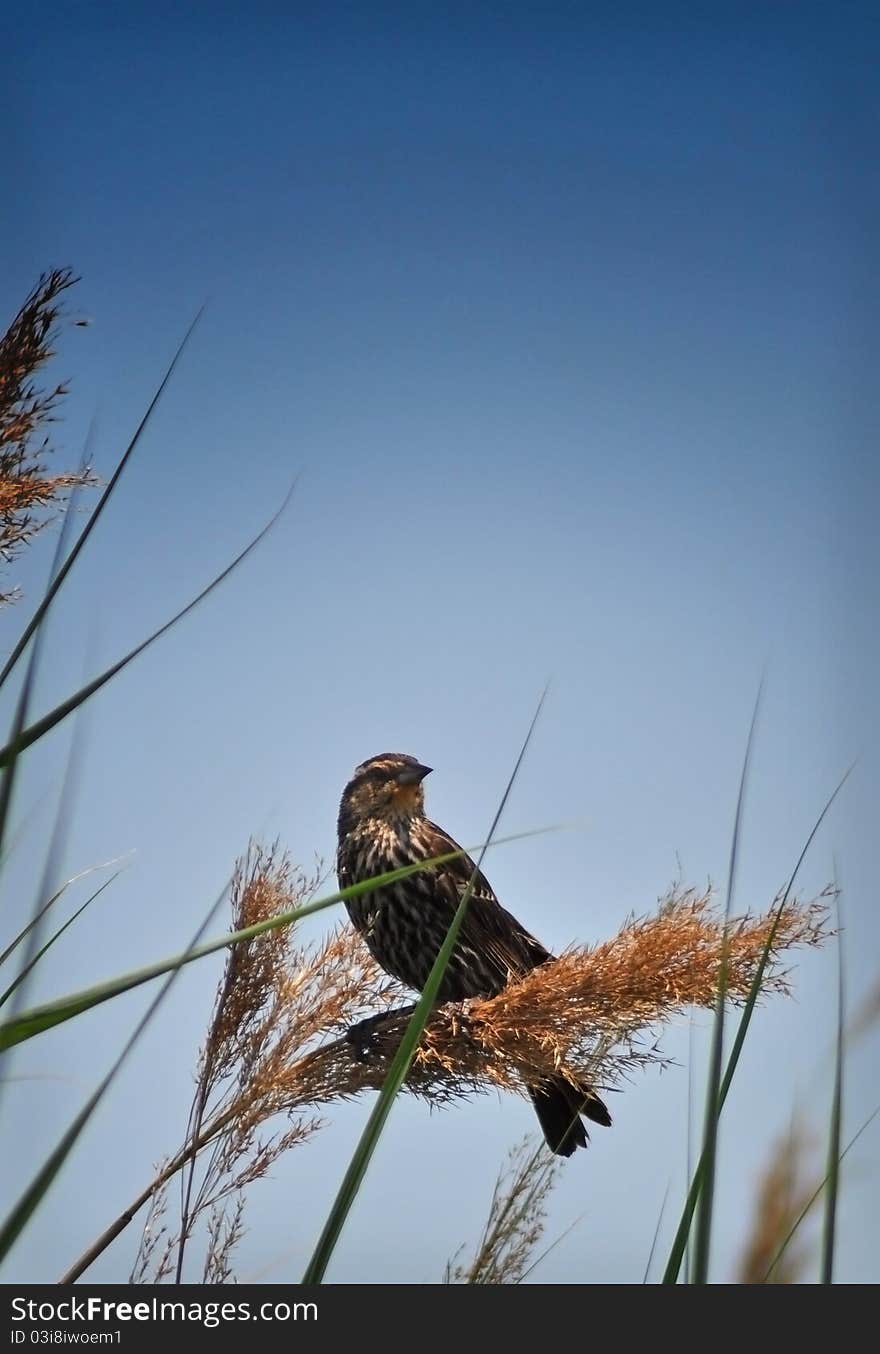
(382,826)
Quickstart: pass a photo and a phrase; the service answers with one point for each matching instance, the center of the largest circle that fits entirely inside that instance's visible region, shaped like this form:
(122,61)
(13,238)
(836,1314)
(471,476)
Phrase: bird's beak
(413,775)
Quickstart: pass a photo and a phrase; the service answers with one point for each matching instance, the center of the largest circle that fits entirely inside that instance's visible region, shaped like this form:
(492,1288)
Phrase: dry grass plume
(782,1196)
(274,1000)
(27,491)
(592,1014)
(280,1041)
(515,1223)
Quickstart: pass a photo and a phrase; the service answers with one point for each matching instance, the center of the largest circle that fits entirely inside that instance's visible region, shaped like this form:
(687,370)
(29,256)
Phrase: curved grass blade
(17,742)
(690,1132)
(673,1265)
(37,1019)
(50,902)
(42,726)
(557,1241)
(659,1224)
(23,826)
(403,1057)
(713,1109)
(833,1171)
(54,855)
(15,745)
(23,1210)
(31,964)
(65,568)
(815,1195)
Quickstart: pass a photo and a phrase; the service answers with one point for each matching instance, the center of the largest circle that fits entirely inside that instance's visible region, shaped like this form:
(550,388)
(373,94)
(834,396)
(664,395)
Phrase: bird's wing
(487,927)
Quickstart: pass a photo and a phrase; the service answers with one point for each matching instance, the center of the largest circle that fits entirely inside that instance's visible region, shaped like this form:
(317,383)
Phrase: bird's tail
(559,1105)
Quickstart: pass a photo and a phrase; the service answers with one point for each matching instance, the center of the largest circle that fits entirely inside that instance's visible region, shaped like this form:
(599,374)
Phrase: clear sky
(565,317)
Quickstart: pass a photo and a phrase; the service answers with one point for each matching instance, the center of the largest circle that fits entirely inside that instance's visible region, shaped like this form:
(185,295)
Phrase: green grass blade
(37,1019)
(32,962)
(28,1202)
(50,903)
(64,569)
(703,1233)
(18,1218)
(557,1241)
(829,1225)
(815,1195)
(758,979)
(16,742)
(54,855)
(690,1136)
(14,746)
(656,1237)
(402,1059)
(680,1242)
(42,726)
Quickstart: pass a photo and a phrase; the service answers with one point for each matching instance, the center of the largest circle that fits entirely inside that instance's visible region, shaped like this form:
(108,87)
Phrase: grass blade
(833,1171)
(37,1019)
(713,1109)
(54,855)
(814,1196)
(64,569)
(32,962)
(17,742)
(49,903)
(673,1265)
(402,1059)
(690,1133)
(557,1241)
(42,726)
(682,1234)
(749,1006)
(27,1204)
(656,1234)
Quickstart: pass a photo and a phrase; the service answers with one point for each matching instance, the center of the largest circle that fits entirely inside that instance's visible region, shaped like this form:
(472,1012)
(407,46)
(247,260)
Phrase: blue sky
(565,320)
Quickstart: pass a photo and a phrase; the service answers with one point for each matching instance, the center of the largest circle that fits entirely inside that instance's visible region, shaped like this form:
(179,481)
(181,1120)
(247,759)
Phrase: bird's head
(388,787)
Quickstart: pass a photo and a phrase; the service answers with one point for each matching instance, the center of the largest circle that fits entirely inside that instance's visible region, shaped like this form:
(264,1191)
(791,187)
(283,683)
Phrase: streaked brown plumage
(382,826)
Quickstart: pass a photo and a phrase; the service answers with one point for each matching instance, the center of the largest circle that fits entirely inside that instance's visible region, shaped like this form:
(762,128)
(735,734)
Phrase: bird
(382,826)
